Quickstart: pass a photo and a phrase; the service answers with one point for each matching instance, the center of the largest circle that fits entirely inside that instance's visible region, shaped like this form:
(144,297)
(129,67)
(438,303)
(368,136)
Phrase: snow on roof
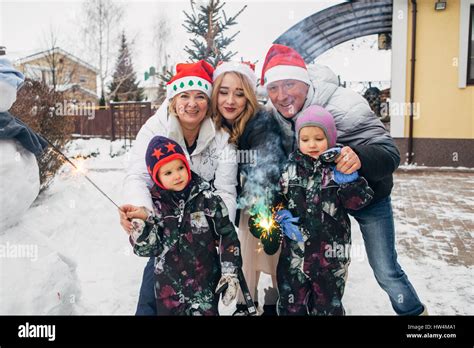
(56,50)
(68,86)
(152,82)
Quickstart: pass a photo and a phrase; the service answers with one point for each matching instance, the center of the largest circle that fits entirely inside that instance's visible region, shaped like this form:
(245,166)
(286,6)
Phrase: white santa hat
(283,63)
(245,68)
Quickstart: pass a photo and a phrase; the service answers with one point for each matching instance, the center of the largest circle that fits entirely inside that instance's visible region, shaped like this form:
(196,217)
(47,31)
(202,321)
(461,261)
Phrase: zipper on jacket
(181,212)
(293,131)
(181,205)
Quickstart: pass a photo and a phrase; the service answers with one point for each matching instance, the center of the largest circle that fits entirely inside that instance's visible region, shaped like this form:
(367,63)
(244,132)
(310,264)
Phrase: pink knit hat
(317,116)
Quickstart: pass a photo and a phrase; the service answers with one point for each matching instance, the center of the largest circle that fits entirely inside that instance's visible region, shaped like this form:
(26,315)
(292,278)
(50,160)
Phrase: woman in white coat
(185,118)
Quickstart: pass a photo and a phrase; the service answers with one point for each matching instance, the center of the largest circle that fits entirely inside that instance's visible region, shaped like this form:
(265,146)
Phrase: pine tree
(102,99)
(208,25)
(124,86)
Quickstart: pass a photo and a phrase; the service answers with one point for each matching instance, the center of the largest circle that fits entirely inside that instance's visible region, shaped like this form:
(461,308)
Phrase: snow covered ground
(69,255)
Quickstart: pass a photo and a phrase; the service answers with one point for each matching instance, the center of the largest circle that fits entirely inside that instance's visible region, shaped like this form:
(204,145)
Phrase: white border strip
(399,64)
(464,12)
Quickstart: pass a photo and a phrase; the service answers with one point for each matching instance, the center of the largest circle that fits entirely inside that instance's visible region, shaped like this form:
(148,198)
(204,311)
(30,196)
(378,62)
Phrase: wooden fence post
(113,121)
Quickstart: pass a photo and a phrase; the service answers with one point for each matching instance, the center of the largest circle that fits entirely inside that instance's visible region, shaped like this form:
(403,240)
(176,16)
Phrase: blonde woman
(260,156)
(187,121)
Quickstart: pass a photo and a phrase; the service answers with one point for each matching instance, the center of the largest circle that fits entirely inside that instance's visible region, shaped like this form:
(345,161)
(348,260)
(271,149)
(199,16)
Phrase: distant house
(151,88)
(154,87)
(64,71)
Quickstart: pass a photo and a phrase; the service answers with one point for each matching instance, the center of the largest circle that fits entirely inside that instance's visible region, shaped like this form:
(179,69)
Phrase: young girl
(182,233)
(314,258)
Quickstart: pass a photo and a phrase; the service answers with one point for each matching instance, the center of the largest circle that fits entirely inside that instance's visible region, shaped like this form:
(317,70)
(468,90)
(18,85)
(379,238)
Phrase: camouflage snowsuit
(183,236)
(311,274)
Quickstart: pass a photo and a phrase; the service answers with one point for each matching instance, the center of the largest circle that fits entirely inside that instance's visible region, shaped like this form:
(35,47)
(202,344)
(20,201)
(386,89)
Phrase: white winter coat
(214,159)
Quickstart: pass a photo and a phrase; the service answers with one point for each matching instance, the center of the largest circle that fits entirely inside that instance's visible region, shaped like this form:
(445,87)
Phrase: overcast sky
(24,26)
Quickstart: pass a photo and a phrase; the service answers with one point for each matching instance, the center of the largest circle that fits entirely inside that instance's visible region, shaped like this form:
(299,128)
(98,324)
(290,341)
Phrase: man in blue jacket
(369,149)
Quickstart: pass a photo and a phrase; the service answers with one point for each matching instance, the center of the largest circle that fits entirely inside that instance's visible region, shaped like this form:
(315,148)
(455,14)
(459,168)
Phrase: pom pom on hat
(191,76)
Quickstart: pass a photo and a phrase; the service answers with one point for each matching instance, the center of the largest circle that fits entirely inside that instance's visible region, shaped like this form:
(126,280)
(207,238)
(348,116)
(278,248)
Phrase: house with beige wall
(64,71)
(432,93)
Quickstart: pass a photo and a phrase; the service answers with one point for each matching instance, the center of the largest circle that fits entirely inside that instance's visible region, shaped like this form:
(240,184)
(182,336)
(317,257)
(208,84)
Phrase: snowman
(19,146)
(36,277)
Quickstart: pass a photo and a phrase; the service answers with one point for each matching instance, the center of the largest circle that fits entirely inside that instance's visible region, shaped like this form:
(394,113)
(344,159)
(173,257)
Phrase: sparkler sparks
(263,226)
(79,169)
(266,223)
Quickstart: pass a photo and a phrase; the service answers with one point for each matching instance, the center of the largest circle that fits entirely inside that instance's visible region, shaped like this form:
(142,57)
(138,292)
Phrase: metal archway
(337,24)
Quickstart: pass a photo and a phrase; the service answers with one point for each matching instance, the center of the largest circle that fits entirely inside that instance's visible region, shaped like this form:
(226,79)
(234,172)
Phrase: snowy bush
(36,106)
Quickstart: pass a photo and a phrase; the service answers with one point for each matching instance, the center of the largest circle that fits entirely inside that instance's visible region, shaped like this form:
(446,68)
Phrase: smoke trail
(260,180)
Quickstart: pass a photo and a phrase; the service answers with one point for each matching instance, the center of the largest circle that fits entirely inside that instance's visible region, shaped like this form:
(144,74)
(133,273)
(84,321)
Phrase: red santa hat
(191,76)
(283,63)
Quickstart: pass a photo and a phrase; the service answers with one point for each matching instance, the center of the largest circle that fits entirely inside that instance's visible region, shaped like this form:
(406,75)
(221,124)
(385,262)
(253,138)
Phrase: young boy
(188,223)
(313,262)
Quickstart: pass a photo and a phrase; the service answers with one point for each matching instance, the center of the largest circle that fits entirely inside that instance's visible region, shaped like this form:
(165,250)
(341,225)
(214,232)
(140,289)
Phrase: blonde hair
(174,100)
(251,107)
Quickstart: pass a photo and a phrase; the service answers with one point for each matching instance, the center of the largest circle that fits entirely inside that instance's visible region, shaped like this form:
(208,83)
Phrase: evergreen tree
(208,24)
(124,86)
(102,99)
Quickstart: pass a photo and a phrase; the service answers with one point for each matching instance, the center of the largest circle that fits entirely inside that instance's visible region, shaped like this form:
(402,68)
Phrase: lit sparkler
(263,226)
(80,169)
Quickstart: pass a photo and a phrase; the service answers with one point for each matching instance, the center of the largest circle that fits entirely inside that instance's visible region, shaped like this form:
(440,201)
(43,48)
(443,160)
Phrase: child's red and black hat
(162,150)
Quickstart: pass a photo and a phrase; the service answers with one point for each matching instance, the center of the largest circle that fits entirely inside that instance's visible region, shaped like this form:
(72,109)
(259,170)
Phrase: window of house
(470,57)
(82,79)
(47,77)
(33,72)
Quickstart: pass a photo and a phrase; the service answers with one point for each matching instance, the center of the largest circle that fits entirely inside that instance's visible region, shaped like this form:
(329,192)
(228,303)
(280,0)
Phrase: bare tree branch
(102,19)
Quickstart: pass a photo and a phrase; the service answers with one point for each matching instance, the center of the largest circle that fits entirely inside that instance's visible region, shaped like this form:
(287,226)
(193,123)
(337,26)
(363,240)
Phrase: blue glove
(286,219)
(329,156)
(341,178)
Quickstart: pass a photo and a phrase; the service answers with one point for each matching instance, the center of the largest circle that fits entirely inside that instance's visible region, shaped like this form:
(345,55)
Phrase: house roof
(56,50)
(152,82)
(67,87)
